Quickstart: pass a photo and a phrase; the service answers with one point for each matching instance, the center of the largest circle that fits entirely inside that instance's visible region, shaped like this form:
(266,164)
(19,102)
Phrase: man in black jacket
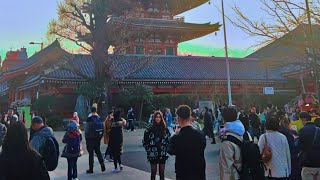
(208,125)
(93,139)
(309,146)
(188,145)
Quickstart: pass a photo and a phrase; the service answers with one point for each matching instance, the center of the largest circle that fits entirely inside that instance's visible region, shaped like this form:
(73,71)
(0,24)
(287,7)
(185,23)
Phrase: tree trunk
(141,109)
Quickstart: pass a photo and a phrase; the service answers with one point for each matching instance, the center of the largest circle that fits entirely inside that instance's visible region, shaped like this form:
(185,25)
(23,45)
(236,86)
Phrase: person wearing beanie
(40,133)
(73,149)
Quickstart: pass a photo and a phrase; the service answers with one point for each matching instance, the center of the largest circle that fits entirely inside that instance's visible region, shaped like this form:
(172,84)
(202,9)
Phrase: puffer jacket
(38,139)
(73,147)
(230,154)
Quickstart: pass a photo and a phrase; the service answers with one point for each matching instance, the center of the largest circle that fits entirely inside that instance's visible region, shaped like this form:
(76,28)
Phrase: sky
(23,21)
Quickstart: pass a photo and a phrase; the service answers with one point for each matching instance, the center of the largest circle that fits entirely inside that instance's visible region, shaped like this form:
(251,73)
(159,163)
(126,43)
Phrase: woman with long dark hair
(17,159)
(116,139)
(156,141)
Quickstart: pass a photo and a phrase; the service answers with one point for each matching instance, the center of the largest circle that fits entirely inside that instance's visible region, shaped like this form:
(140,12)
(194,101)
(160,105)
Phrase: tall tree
(90,24)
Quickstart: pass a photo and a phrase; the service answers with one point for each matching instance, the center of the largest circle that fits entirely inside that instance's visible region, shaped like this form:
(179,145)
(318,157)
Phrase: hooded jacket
(230,154)
(38,139)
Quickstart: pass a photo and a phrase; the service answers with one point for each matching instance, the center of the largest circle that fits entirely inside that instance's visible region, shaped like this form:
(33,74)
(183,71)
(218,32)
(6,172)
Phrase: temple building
(151,60)
(164,29)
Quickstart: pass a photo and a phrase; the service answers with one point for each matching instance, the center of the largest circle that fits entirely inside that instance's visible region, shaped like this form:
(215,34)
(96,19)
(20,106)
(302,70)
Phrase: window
(139,50)
(169,51)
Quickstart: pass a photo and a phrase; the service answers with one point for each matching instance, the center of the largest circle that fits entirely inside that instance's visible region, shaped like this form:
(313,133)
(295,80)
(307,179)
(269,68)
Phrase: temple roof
(197,30)
(180,6)
(290,48)
(177,68)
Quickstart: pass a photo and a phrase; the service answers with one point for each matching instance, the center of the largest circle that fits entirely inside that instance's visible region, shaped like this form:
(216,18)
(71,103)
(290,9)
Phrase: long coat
(107,129)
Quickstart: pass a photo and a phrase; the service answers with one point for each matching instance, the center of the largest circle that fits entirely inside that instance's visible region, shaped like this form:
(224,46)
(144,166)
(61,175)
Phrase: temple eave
(180,6)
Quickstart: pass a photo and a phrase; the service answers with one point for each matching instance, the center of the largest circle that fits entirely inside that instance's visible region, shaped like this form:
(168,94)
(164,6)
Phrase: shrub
(55,121)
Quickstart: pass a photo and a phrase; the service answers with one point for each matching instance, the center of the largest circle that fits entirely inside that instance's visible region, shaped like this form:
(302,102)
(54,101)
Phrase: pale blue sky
(22,21)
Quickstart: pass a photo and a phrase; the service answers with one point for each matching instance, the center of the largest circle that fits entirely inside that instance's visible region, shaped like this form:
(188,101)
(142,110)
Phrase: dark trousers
(130,125)
(72,168)
(208,131)
(93,145)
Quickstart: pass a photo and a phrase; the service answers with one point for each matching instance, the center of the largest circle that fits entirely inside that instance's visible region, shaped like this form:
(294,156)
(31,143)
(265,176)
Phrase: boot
(103,168)
(89,171)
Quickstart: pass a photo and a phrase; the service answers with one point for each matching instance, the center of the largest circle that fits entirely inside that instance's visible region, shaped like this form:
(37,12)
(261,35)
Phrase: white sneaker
(115,170)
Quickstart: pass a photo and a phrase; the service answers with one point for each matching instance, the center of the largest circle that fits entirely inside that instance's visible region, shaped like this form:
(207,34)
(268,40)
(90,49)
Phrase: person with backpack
(275,151)
(18,161)
(239,156)
(309,147)
(73,149)
(116,139)
(93,133)
(230,153)
(43,141)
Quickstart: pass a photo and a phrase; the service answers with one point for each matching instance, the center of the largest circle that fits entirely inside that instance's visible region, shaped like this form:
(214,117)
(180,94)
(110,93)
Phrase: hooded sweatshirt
(38,139)
(230,154)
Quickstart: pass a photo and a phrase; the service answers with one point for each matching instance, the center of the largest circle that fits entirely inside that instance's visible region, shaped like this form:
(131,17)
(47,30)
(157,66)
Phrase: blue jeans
(72,168)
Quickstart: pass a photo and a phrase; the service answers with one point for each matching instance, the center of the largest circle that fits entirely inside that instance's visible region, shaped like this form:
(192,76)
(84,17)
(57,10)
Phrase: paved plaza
(136,166)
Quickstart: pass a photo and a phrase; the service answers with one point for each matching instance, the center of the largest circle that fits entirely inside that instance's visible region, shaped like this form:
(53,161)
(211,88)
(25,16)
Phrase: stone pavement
(136,166)
(127,174)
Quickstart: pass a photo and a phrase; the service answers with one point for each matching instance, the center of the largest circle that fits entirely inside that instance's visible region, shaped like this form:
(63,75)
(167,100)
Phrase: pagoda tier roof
(180,6)
(194,30)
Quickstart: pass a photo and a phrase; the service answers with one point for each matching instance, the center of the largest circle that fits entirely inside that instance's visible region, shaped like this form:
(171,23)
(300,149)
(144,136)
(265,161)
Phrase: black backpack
(252,165)
(51,153)
(94,128)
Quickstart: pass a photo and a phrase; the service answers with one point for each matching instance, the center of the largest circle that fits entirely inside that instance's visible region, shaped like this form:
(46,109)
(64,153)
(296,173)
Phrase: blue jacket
(38,139)
(169,119)
(308,149)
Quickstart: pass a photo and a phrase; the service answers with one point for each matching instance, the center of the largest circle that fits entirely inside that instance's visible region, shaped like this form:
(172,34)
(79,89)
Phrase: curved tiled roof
(180,68)
(164,23)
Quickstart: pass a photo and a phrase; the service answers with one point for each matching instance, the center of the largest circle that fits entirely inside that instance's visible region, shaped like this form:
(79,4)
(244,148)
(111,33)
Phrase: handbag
(65,153)
(266,153)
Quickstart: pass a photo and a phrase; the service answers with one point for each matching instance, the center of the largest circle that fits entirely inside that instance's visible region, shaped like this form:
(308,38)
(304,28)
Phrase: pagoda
(165,29)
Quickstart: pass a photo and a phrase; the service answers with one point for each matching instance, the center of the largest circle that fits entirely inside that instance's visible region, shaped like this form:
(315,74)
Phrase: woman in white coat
(279,166)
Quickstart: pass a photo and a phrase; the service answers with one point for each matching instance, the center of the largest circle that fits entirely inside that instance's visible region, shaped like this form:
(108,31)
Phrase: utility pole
(310,44)
(227,56)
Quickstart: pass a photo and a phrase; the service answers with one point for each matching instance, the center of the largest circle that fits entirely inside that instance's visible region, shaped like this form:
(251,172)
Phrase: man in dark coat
(208,125)
(254,123)
(93,140)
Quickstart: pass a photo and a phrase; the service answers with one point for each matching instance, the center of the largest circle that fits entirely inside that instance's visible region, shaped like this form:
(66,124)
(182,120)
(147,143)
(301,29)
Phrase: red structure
(162,30)
(14,58)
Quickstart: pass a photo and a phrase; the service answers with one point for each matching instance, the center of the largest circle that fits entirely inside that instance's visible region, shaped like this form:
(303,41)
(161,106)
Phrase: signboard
(268,90)
(203,104)
(24,115)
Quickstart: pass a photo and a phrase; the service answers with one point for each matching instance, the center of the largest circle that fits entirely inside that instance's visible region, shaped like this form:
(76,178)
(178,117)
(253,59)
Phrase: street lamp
(227,56)
(37,43)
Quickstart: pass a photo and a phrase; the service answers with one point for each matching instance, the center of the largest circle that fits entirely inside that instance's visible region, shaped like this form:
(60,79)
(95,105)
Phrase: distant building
(14,58)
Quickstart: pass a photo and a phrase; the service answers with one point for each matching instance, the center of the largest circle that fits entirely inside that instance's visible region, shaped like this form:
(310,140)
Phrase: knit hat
(72,127)
(37,119)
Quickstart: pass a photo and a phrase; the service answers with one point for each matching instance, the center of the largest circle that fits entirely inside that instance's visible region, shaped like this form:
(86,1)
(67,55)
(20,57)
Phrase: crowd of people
(267,145)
